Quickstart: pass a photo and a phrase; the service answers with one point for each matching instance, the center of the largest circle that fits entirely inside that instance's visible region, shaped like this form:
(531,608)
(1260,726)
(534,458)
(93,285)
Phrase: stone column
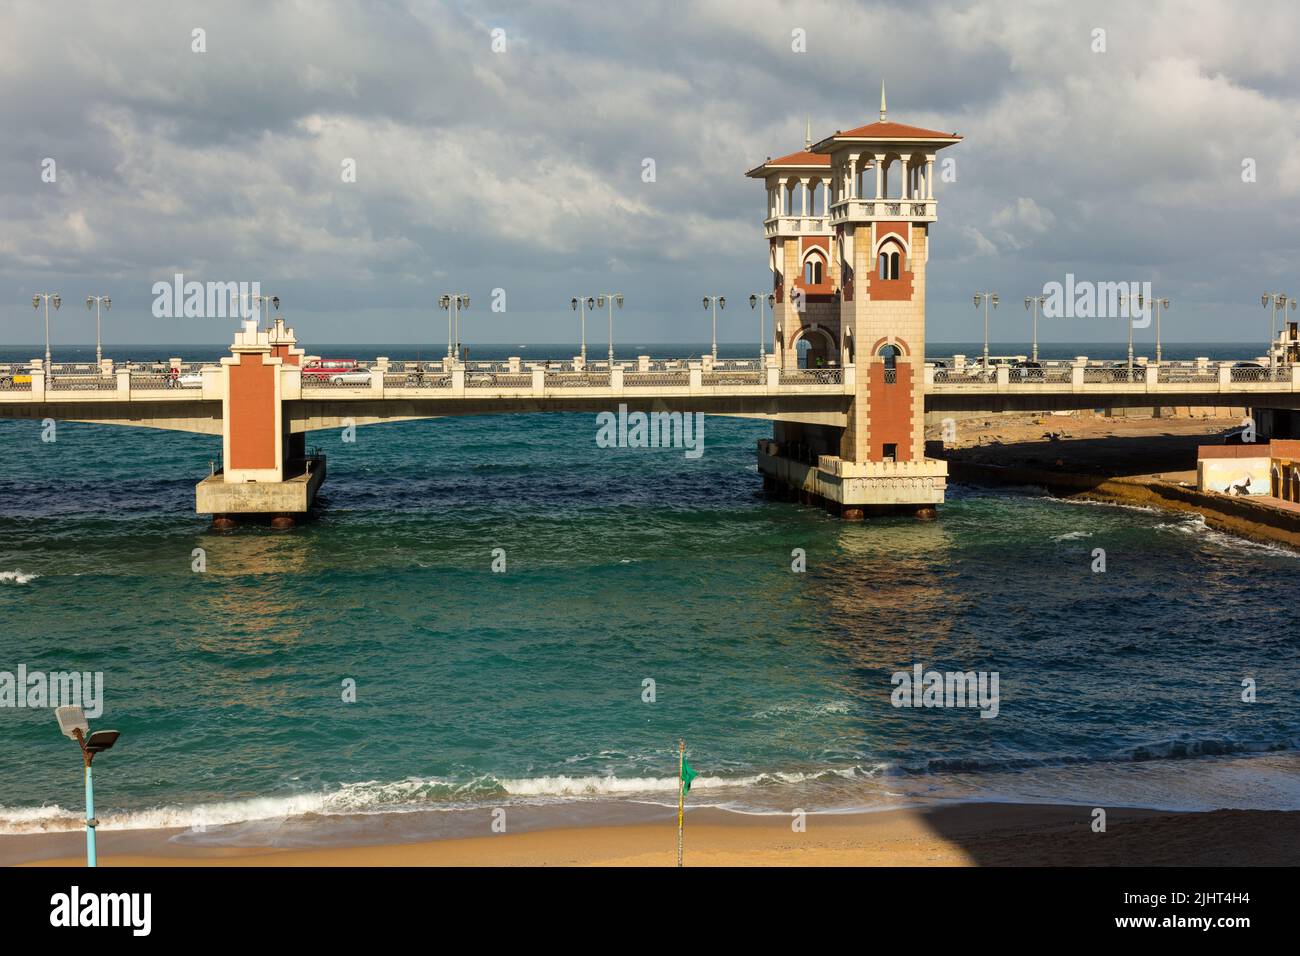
(904,159)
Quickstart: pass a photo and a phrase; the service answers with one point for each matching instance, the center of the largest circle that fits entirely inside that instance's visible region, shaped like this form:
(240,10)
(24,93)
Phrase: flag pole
(681,796)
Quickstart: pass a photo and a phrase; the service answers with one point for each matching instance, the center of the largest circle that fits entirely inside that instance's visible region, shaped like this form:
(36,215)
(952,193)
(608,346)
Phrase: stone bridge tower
(878,213)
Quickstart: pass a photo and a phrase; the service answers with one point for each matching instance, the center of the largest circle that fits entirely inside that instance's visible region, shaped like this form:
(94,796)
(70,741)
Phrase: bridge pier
(268,475)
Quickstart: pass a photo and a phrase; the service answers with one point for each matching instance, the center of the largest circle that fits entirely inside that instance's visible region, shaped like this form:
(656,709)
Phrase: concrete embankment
(1239,516)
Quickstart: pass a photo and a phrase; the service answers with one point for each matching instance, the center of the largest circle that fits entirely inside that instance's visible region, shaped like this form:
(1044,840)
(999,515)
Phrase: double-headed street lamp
(72,721)
(36,304)
(609,298)
(1278,300)
(581,305)
(1036,303)
(107,303)
(453,302)
(719,302)
(1161,305)
(762,300)
(256,302)
(987,298)
(1128,301)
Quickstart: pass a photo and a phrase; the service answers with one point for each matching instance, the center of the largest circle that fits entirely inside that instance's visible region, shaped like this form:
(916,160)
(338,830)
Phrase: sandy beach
(961,835)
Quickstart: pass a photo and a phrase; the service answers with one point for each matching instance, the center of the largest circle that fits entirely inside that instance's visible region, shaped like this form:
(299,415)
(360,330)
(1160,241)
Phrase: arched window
(814,269)
(890,354)
(889,263)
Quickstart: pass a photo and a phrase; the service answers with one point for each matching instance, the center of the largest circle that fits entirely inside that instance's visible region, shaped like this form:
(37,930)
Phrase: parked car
(190,380)
(336,372)
(8,380)
(1027,371)
(1119,371)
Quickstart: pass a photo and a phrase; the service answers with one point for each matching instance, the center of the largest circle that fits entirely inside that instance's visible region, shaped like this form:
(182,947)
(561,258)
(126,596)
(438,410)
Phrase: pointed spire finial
(807,136)
(882,99)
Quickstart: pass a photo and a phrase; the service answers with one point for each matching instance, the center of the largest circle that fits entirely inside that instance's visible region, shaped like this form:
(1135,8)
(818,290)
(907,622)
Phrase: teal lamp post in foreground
(72,721)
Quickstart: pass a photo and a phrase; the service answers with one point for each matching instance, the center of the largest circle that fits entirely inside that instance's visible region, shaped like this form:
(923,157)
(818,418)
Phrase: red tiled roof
(801,158)
(888,130)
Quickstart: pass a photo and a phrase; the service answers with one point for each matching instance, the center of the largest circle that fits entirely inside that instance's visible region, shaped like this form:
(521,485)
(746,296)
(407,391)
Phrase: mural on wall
(1235,476)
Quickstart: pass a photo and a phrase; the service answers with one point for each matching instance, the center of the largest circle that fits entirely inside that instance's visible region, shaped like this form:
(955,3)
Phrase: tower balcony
(858,210)
(781,227)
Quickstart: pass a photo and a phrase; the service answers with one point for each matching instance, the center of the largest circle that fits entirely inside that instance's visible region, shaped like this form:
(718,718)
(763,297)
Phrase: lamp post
(257,301)
(1278,300)
(1160,304)
(1128,318)
(1290,306)
(36,304)
(453,302)
(581,305)
(719,302)
(986,298)
(107,303)
(609,298)
(72,721)
(762,300)
(1036,303)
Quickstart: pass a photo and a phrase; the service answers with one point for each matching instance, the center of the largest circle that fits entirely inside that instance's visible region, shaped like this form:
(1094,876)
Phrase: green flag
(687,776)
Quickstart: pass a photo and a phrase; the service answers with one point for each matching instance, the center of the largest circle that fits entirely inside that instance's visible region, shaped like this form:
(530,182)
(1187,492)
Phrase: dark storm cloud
(522,170)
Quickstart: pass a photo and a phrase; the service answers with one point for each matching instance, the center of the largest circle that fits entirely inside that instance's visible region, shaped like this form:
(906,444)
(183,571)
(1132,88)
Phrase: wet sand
(962,835)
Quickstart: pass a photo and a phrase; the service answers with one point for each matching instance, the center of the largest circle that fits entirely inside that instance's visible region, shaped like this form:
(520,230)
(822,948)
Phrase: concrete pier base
(280,502)
(855,490)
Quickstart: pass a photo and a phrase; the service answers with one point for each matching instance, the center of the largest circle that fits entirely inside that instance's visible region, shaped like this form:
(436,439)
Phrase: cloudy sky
(521,170)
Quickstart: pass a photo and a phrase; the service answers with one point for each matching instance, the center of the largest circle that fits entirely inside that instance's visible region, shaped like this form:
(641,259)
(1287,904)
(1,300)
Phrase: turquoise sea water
(477,688)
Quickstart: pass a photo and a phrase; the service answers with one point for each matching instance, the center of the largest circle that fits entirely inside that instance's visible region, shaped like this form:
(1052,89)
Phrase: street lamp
(257,301)
(72,721)
(986,298)
(762,299)
(1278,300)
(1036,302)
(107,303)
(36,304)
(1160,304)
(1128,317)
(581,305)
(453,302)
(610,298)
(719,302)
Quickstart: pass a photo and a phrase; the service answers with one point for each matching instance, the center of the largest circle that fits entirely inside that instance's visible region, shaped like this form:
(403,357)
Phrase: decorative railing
(659,379)
(340,380)
(1122,374)
(1279,373)
(499,380)
(812,376)
(83,383)
(577,380)
(731,377)
(9,374)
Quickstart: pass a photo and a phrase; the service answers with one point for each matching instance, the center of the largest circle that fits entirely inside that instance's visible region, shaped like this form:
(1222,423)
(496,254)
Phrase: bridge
(847,231)
(150,395)
(263,421)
